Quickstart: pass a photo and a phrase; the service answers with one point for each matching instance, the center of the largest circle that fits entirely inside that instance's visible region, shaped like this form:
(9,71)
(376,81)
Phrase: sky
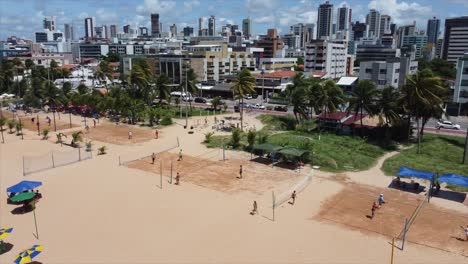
(24,17)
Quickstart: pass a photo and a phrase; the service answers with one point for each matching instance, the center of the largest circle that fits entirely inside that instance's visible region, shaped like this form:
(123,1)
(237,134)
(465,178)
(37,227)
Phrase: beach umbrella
(23,197)
(27,255)
(5,231)
(24,186)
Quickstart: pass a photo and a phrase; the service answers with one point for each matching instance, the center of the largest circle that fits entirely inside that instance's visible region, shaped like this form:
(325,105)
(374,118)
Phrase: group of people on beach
(381,201)
(292,200)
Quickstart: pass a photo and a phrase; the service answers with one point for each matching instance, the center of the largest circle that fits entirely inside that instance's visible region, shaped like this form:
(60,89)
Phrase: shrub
(208,137)
(89,145)
(102,150)
(11,124)
(235,138)
(45,133)
(251,138)
(167,120)
(262,137)
(19,128)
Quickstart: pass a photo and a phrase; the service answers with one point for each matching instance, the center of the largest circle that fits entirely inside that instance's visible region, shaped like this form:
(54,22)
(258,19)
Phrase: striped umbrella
(27,255)
(5,231)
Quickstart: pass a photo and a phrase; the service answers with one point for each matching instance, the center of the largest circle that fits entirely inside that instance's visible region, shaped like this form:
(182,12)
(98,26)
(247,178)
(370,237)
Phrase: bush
(89,145)
(19,128)
(235,138)
(45,133)
(251,138)
(167,120)
(11,124)
(208,137)
(262,137)
(273,122)
(102,150)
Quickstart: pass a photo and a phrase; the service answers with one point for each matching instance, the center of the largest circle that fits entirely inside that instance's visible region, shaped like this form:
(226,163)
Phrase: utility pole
(186,96)
(465,151)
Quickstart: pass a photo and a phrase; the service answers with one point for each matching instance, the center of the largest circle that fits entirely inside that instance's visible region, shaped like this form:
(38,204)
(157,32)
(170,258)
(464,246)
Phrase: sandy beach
(96,211)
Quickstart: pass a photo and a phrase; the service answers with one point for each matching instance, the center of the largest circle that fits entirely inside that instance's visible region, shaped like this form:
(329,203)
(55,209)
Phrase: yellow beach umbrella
(27,255)
(5,231)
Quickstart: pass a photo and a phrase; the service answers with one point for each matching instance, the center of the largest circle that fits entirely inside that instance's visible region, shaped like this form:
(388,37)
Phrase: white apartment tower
(385,22)
(89,28)
(373,23)
(326,56)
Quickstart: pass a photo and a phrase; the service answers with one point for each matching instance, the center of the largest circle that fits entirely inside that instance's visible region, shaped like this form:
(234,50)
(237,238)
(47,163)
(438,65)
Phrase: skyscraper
(325,20)
(373,23)
(69,34)
(188,31)
(385,22)
(359,30)
(113,31)
(200,26)
(405,31)
(211,26)
(126,29)
(247,27)
(343,18)
(433,26)
(173,29)
(89,28)
(455,38)
(155,25)
(49,23)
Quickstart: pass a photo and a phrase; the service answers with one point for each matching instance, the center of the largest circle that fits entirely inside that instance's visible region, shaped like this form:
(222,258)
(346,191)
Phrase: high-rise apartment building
(212,26)
(359,30)
(247,27)
(326,56)
(188,31)
(173,30)
(126,29)
(270,44)
(325,20)
(385,23)
(49,23)
(343,20)
(417,40)
(455,38)
(405,31)
(461,83)
(200,26)
(89,28)
(433,27)
(69,34)
(155,25)
(373,23)
(113,31)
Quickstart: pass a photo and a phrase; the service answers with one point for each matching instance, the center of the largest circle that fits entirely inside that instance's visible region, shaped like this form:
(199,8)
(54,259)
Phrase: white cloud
(462,2)
(189,5)
(261,5)
(156,6)
(106,16)
(403,12)
(223,20)
(83,15)
(265,19)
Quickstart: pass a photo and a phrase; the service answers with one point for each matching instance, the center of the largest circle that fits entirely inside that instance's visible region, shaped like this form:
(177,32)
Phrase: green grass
(218,141)
(334,153)
(195,112)
(279,123)
(439,153)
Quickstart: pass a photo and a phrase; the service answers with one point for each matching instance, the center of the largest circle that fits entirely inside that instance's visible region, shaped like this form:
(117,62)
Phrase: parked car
(280,108)
(248,96)
(447,124)
(200,100)
(259,106)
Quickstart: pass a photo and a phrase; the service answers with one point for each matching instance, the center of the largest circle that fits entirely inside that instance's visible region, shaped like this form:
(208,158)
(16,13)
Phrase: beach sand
(96,211)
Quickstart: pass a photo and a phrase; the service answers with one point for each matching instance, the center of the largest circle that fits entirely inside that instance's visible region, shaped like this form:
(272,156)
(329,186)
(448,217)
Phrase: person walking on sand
(177,179)
(180,155)
(255,209)
(156,134)
(87,128)
(381,200)
(130,134)
(240,172)
(94,122)
(466,232)
(153,157)
(206,121)
(293,197)
(374,207)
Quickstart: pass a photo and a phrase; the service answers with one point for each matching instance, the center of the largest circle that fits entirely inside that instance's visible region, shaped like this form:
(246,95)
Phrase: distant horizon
(23,18)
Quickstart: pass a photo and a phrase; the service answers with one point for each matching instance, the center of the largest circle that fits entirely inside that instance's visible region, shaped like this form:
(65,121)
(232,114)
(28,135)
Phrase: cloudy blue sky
(23,17)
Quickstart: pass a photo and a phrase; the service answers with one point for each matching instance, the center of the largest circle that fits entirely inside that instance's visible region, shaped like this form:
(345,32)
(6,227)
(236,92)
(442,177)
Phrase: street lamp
(263,85)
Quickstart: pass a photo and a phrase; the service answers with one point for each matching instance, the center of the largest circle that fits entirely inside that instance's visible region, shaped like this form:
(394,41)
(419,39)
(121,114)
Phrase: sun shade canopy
(24,186)
(293,152)
(454,179)
(408,172)
(267,147)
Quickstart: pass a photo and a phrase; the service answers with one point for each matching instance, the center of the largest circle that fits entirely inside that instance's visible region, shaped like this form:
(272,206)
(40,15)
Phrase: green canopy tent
(293,153)
(267,147)
(21,197)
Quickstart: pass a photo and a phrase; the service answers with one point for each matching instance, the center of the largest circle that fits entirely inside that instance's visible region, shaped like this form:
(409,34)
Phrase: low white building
(461,84)
(277,63)
(326,56)
(391,72)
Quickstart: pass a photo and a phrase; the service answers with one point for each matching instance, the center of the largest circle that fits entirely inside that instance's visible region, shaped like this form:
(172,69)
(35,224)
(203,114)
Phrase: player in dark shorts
(153,157)
(293,197)
(240,172)
(177,179)
(374,207)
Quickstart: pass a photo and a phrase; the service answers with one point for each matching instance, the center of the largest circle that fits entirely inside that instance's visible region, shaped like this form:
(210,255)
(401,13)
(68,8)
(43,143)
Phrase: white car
(259,106)
(447,125)
(248,96)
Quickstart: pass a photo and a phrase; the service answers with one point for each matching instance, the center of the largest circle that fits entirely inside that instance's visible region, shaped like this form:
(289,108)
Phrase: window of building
(383,71)
(464,83)
(395,81)
(397,70)
(368,70)
(382,82)
(465,71)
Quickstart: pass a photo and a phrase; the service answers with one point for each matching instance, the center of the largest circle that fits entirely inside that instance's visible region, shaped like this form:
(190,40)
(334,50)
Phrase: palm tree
(191,84)
(244,84)
(328,96)
(11,124)
(363,98)
(425,94)
(216,102)
(388,107)
(162,88)
(297,81)
(76,137)
(299,102)
(139,81)
(2,123)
